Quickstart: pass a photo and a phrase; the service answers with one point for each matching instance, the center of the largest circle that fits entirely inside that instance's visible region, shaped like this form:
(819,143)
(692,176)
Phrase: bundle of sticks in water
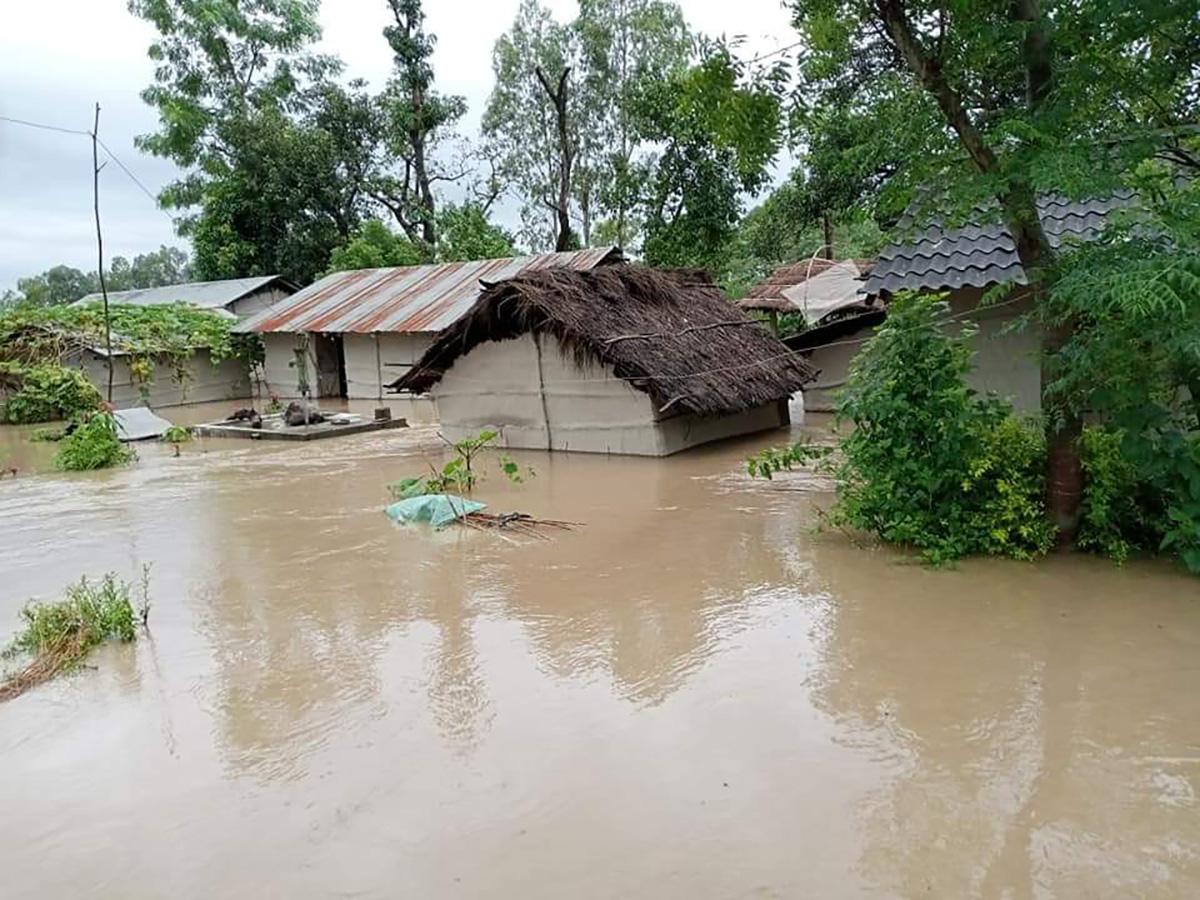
(515,522)
(61,655)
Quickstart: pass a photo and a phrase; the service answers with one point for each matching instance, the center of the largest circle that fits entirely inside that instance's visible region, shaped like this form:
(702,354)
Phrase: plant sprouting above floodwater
(176,435)
(94,444)
(461,473)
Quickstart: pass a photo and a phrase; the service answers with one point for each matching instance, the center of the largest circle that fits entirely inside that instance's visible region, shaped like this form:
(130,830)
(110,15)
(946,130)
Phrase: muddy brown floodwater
(693,696)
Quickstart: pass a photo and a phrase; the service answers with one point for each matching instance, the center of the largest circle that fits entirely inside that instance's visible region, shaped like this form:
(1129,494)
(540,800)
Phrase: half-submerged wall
(363,365)
(204,383)
(538,397)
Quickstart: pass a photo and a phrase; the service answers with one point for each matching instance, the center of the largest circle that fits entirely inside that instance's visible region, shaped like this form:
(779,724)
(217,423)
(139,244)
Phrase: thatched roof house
(619,359)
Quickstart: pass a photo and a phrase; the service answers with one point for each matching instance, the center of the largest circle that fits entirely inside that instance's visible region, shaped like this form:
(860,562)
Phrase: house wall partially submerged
(1005,357)
(363,368)
(205,383)
(537,397)
(1007,353)
(833,365)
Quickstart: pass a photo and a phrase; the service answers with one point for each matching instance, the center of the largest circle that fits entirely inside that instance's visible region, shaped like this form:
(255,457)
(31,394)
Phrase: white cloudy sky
(59,57)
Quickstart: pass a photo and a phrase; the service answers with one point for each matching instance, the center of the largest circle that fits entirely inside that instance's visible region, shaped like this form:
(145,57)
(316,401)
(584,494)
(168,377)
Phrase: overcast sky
(58,58)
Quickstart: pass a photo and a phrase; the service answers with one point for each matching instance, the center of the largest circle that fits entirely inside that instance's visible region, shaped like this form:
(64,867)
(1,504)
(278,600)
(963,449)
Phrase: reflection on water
(692,695)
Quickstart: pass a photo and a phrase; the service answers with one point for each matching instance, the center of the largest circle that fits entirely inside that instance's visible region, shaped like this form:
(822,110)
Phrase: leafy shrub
(47,392)
(92,445)
(928,463)
(1109,514)
(94,612)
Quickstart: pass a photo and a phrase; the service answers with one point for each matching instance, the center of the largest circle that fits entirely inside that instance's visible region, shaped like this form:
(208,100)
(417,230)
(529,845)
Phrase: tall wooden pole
(96,167)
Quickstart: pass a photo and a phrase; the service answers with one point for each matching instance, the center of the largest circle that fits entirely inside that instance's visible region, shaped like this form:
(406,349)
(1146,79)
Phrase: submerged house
(965,262)
(828,295)
(352,333)
(618,359)
(201,380)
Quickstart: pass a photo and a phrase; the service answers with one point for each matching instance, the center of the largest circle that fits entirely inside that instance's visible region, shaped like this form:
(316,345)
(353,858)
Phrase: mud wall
(541,398)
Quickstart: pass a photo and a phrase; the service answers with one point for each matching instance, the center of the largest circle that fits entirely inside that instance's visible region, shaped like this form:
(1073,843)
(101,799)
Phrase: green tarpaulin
(439,510)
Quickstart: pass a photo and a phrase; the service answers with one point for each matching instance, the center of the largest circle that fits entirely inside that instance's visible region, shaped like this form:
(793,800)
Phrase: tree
(519,121)
(374,246)
(164,266)
(465,233)
(623,45)
(719,137)
(219,61)
(274,154)
(287,197)
(56,286)
(996,102)
(601,153)
(415,116)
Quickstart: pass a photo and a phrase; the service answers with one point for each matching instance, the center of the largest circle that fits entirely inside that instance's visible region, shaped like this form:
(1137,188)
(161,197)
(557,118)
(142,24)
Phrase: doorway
(329,353)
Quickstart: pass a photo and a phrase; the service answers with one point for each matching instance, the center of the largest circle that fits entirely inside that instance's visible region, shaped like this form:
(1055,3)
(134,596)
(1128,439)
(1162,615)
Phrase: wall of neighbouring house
(258,301)
(397,352)
(227,380)
(1006,358)
(833,363)
(540,398)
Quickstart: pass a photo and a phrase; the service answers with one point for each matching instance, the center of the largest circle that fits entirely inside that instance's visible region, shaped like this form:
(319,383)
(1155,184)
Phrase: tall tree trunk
(827,229)
(1018,203)
(558,96)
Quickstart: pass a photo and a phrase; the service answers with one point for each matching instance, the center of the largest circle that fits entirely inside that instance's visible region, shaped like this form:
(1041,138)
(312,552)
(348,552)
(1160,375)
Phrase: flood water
(690,696)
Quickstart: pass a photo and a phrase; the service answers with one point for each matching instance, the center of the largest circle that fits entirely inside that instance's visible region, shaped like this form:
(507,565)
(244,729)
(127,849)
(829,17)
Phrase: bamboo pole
(96,167)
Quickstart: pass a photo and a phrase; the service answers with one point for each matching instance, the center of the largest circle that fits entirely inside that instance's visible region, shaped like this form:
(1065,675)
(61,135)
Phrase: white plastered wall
(228,380)
(513,388)
(255,303)
(397,352)
(1006,359)
(833,363)
(366,369)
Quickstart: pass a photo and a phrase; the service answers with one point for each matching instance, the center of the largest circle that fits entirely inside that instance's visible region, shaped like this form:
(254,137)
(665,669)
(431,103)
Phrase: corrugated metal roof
(202,294)
(983,255)
(409,298)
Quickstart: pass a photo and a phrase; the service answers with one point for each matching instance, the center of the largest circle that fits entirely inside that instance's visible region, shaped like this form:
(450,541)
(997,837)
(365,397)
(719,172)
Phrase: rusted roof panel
(407,299)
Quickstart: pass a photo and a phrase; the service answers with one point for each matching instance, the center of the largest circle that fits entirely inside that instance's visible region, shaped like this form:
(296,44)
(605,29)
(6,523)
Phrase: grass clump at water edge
(58,635)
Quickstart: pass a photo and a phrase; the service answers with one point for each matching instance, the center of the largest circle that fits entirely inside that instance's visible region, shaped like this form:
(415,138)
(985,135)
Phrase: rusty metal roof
(409,298)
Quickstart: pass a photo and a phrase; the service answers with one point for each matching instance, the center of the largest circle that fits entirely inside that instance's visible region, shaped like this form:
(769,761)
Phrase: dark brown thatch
(672,334)
(768,294)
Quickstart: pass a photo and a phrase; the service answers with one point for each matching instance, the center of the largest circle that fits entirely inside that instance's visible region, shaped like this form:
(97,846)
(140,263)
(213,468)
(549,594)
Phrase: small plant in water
(459,475)
(176,435)
(58,635)
(766,463)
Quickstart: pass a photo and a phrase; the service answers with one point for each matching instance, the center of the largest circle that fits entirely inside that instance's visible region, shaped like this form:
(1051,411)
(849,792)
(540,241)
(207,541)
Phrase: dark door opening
(330,355)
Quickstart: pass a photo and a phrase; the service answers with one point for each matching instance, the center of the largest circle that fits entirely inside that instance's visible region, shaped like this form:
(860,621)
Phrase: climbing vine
(38,344)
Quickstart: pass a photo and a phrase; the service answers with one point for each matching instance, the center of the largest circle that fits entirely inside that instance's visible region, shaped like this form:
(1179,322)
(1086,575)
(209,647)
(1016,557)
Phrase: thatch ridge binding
(682,341)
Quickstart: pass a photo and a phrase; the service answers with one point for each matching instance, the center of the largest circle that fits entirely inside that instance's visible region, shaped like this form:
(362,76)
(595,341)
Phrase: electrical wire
(111,155)
(43,126)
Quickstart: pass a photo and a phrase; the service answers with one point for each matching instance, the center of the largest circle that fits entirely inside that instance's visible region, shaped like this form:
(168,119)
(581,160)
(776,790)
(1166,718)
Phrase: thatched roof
(672,334)
(772,293)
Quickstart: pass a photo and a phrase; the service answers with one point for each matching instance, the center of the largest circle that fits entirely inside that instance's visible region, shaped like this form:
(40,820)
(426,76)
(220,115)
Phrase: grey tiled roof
(982,255)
